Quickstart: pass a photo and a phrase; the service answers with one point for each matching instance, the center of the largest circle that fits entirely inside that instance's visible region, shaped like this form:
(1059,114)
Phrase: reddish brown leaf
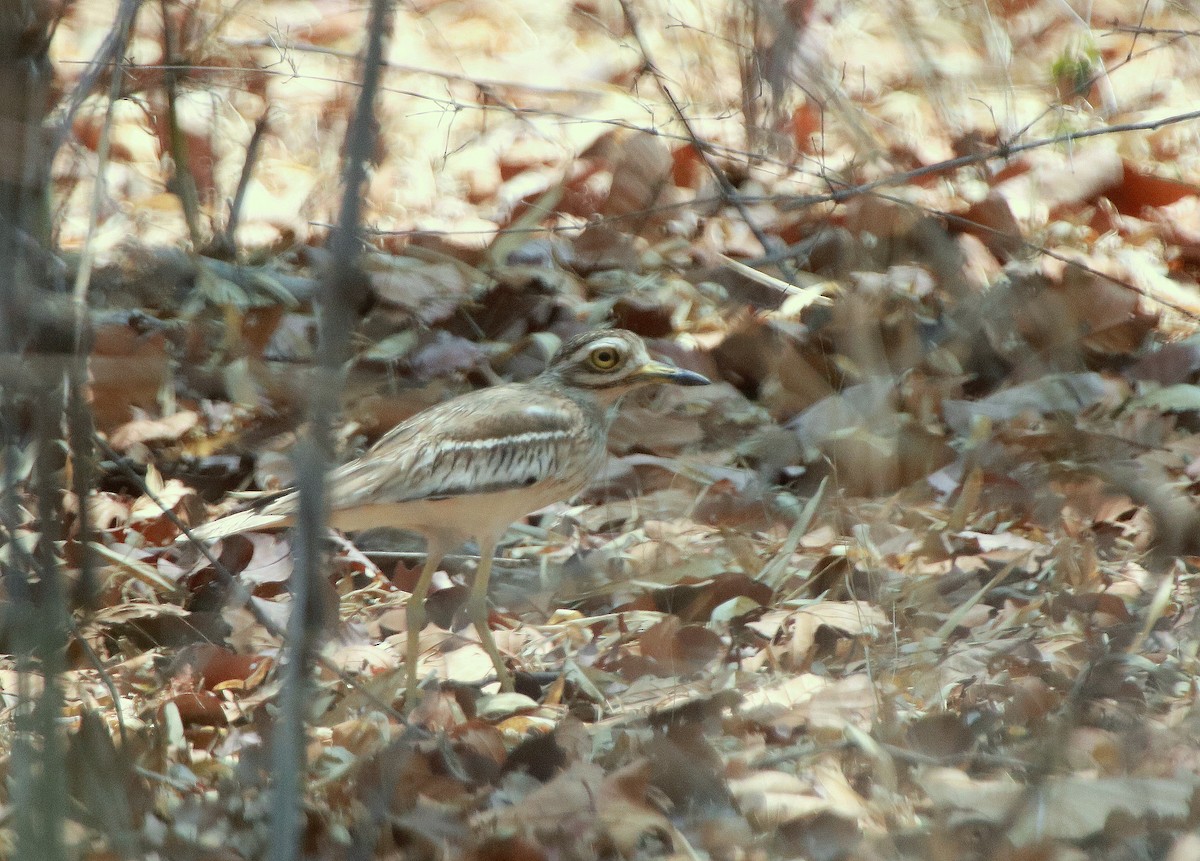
(199,708)
(1141,189)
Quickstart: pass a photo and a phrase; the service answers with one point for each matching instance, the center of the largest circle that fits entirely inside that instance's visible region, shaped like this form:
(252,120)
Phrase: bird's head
(611,362)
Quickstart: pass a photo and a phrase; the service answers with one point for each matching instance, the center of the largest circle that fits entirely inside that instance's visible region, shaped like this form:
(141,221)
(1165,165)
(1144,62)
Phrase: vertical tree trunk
(25,79)
(36,343)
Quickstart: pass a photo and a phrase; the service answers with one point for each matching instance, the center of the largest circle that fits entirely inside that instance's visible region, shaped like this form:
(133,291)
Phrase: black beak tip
(690,378)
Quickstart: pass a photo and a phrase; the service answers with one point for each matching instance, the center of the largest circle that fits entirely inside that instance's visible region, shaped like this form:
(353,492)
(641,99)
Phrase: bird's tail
(275,515)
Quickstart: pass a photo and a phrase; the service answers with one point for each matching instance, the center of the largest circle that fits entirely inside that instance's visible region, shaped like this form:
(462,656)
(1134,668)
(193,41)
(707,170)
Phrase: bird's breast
(457,518)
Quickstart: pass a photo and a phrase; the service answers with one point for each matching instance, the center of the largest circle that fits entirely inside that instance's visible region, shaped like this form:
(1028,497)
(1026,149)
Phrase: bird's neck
(600,403)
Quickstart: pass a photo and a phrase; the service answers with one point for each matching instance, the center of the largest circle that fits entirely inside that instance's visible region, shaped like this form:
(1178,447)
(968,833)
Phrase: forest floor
(914,578)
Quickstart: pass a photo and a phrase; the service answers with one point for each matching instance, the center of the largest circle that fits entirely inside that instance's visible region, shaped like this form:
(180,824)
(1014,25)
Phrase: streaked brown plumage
(469,467)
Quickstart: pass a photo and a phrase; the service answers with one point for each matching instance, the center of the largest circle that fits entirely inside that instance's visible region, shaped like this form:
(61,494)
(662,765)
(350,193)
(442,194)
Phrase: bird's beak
(661,372)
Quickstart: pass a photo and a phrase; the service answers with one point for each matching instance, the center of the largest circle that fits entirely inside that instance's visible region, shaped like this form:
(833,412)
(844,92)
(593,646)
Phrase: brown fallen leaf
(1064,808)
(199,708)
(850,618)
(1140,189)
(146,430)
(611,811)
(680,649)
(771,798)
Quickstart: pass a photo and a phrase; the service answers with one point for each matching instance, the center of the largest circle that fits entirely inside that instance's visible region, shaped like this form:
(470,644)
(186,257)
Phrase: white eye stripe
(613,344)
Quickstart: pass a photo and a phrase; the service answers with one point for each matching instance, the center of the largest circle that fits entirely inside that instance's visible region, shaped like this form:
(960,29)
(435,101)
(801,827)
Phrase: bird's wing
(496,439)
(491,440)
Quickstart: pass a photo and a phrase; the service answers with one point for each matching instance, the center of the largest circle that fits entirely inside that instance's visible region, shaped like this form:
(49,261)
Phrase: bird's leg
(415,613)
(478,614)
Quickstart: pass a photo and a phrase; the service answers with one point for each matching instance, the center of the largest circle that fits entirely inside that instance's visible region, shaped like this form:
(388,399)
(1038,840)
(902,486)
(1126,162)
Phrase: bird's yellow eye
(604,358)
